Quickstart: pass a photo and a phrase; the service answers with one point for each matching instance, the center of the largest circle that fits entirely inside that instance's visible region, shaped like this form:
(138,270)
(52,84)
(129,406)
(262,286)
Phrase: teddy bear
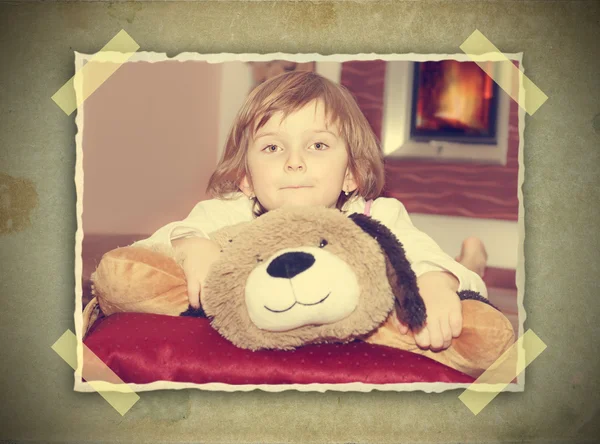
(298,276)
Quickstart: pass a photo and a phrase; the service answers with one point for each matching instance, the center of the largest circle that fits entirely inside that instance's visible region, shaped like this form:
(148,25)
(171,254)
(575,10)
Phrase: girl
(300,139)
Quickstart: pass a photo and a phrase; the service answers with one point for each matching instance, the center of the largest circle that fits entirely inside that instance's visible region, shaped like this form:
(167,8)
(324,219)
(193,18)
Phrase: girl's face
(298,161)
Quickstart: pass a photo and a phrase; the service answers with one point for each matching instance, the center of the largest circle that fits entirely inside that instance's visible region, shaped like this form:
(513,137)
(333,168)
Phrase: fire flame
(460,98)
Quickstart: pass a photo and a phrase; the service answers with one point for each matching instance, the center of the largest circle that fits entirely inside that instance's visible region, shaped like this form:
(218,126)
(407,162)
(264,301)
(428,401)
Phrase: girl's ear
(349,182)
(246,188)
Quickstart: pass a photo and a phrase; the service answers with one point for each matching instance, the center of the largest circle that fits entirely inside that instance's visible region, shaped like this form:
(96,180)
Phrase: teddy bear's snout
(301,286)
(290,264)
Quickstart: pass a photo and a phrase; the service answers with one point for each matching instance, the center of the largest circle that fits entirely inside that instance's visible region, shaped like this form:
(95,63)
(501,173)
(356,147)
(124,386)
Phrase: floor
(506,301)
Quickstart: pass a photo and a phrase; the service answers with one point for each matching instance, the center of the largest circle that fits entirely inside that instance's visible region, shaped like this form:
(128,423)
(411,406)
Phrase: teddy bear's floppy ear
(411,308)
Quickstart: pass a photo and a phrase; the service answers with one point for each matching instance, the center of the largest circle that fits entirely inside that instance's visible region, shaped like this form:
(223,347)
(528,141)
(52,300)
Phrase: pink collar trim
(368,208)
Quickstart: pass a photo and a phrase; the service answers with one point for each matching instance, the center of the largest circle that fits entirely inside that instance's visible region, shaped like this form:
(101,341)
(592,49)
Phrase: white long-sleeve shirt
(421,251)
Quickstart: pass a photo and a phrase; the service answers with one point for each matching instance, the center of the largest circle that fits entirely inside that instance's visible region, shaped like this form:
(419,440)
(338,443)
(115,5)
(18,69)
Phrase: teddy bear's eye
(323,243)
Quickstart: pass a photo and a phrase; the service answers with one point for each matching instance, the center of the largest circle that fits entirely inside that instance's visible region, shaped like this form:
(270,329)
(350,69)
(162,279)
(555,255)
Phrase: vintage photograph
(286,223)
(300,221)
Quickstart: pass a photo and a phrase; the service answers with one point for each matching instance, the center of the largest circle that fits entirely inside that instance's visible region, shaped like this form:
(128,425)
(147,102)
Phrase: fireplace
(447,110)
(453,101)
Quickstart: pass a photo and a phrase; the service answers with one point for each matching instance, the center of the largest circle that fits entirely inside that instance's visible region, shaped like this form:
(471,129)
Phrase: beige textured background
(561,195)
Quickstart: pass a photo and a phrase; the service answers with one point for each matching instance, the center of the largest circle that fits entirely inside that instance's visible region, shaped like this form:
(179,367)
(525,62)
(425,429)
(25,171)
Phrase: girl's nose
(295,163)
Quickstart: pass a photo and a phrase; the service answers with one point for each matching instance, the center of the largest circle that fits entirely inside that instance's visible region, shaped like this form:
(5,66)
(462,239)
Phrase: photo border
(156,57)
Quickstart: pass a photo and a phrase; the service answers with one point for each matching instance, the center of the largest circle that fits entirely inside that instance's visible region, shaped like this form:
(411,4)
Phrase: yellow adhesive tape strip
(480,50)
(97,374)
(506,368)
(95,72)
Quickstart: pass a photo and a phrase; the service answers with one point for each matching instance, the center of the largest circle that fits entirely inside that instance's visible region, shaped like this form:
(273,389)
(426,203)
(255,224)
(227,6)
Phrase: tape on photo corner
(506,368)
(100,377)
(480,50)
(95,72)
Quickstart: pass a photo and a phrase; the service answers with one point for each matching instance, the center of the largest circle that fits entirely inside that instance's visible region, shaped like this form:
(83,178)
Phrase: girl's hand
(444,311)
(198,256)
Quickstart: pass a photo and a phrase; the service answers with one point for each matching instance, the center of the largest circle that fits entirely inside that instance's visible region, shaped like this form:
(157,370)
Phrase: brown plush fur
(223,296)
(154,282)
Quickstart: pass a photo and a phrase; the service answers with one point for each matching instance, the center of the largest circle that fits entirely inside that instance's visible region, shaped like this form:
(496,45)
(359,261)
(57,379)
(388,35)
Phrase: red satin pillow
(143,348)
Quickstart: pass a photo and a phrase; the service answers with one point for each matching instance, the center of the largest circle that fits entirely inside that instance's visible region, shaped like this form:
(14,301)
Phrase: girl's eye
(323,243)
(270,148)
(320,146)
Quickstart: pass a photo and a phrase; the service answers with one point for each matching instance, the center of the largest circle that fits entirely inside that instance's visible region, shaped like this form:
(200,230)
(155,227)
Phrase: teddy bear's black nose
(290,264)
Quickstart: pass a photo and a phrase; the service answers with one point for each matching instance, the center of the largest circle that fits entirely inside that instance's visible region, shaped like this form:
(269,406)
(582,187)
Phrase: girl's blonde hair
(288,93)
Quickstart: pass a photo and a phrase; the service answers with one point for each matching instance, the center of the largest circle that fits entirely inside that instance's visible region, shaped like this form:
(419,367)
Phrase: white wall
(149,145)
(236,82)
(501,238)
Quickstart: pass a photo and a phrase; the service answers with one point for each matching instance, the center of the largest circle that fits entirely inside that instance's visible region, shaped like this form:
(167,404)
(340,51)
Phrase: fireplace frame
(397,115)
